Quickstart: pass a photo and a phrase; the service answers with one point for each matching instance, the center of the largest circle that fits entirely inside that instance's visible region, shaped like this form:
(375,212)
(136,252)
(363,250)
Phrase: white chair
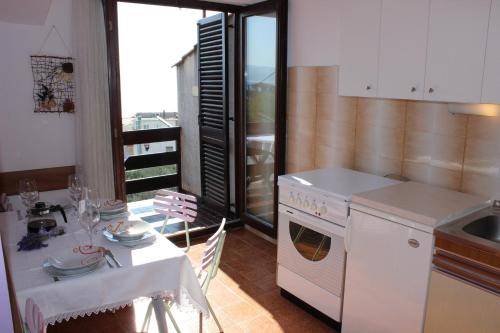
(206,272)
(176,205)
(34,322)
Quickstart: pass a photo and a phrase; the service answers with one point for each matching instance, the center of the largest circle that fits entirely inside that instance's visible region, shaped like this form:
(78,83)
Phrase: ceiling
(24,11)
(35,12)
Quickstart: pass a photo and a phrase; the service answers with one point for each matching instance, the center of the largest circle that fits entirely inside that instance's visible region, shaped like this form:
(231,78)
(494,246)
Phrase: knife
(106,256)
(109,253)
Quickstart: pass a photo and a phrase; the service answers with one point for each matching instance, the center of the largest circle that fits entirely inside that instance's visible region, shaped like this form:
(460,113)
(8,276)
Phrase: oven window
(311,244)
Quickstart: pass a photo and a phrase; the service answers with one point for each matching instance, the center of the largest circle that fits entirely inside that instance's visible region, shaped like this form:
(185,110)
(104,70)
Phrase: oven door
(312,248)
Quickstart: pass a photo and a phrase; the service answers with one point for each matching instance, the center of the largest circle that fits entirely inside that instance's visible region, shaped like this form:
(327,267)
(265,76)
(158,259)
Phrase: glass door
(262,87)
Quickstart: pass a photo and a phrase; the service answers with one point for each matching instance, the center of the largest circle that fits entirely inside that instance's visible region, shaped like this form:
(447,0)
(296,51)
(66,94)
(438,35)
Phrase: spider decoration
(53,89)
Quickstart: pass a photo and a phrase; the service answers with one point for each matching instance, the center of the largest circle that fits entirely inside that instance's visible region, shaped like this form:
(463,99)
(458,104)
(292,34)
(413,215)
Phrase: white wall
(313,33)
(31,140)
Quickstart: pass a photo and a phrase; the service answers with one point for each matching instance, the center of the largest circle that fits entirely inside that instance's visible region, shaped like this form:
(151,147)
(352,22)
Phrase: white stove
(313,211)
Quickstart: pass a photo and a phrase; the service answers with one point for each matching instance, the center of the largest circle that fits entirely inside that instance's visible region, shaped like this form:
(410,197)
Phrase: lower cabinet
(459,307)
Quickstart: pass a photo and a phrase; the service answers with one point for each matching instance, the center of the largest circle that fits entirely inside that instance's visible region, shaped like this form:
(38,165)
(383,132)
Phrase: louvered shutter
(213,119)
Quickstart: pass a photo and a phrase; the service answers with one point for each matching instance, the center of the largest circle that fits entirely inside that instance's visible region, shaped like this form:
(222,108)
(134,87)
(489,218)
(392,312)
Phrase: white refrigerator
(387,274)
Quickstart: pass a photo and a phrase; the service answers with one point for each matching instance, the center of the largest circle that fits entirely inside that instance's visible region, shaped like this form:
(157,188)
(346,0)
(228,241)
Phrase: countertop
(425,204)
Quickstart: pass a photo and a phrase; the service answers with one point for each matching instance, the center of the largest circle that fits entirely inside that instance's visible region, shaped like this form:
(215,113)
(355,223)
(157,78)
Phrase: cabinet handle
(413,242)
(431,90)
(368,87)
(413,89)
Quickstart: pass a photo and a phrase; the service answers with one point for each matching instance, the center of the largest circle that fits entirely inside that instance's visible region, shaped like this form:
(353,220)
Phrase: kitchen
(403,103)
(386,217)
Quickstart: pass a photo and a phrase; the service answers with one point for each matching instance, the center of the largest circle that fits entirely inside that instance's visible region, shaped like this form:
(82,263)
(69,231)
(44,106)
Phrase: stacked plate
(113,209)
(75,262)
(131,232)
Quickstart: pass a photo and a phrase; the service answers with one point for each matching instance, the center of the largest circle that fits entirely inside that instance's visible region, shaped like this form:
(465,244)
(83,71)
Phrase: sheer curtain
(93,134)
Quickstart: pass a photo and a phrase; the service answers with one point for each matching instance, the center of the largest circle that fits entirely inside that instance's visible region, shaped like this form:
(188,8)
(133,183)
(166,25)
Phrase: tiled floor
(244,296)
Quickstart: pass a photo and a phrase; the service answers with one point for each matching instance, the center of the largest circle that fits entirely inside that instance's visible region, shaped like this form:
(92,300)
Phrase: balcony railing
(151,160)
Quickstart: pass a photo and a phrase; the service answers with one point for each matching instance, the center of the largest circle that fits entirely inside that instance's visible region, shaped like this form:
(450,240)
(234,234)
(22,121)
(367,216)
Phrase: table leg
(159,308)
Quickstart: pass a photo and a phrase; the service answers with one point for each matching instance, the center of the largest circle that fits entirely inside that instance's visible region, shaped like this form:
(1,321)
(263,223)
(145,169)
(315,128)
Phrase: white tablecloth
(158,270)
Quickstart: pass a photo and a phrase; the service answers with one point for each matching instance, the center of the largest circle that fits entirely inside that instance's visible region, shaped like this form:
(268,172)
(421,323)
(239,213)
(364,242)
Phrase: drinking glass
(89,217)
(75,188)
(28,191)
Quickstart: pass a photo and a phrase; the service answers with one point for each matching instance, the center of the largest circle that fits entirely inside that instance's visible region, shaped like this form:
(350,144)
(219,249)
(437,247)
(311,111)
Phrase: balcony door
(262,123)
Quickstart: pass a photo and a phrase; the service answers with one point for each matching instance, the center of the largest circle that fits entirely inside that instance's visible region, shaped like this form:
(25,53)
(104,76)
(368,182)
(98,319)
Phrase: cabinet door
(491,84)
(386,278)
(456,50)
(403,45)
(359,37)
(458,307)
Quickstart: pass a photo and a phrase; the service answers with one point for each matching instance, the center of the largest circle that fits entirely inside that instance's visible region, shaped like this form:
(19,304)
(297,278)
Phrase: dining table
(159,270)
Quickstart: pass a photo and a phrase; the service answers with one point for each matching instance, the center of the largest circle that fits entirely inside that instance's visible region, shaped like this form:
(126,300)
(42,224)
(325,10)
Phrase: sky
(151,40)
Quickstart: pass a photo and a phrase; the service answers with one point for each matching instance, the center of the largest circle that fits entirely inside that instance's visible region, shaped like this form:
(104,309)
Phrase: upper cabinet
(491,83)
(421,49)
(403,42)
(455,51)
(360,22)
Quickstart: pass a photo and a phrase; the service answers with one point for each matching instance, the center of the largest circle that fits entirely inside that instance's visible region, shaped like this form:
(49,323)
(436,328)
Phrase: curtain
(93,131)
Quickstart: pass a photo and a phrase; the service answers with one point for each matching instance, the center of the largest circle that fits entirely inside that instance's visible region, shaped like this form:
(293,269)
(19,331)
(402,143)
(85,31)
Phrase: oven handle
(347,238)
(312,221)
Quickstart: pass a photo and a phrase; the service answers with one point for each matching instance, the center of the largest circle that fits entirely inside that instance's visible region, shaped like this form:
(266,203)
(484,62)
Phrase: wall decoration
(53,89)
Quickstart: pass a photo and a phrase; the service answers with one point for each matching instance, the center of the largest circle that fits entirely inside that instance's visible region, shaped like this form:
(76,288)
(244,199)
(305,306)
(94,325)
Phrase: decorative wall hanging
(53,89)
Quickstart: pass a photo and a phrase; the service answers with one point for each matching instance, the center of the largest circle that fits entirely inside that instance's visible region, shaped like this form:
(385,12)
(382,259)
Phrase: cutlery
(109,253)
(108,261)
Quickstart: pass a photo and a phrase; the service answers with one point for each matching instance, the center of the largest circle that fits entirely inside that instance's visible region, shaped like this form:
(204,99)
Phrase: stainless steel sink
(481,227)
(487,227)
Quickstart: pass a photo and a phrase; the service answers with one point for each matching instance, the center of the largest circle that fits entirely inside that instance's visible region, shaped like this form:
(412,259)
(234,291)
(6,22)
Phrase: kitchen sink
(487,227)
(481,228)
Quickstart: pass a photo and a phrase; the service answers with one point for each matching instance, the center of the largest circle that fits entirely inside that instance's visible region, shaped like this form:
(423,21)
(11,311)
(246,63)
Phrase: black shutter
(213,116)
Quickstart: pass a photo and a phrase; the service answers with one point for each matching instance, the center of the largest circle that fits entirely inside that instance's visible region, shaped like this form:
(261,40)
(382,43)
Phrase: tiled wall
(418,140)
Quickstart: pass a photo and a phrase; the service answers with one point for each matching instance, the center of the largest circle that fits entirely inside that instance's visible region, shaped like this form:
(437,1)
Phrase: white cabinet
(459,307)
(387,273)
(456,50)
(491,83)
(403,44)
(360,27)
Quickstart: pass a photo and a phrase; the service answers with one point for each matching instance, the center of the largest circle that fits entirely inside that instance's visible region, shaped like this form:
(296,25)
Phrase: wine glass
(75,188)
(89,217)
(28,191)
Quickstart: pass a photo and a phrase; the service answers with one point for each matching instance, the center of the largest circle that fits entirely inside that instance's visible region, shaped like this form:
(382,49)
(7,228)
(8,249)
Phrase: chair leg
(188,241)
(147,318)
(201,323)
(167,308)
(164,225)
(214,316)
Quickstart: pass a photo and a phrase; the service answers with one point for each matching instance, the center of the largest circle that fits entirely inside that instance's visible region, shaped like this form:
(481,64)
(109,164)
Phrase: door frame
(113,58)
(281,8)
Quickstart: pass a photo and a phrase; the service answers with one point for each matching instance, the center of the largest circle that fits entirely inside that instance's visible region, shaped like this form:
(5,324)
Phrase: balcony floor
(206,217)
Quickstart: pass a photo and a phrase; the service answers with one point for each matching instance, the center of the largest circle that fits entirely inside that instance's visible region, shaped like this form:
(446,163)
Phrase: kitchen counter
(425,204)
(471,258)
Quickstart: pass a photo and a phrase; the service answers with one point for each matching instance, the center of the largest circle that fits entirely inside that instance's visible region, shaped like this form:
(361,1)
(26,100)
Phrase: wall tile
(419,140)
(302,79)
(434,118)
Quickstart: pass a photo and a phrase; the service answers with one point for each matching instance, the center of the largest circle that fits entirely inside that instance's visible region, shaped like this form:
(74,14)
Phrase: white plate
(77,258)
(147,238)
(113,206)
(54,272)
(130,229)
